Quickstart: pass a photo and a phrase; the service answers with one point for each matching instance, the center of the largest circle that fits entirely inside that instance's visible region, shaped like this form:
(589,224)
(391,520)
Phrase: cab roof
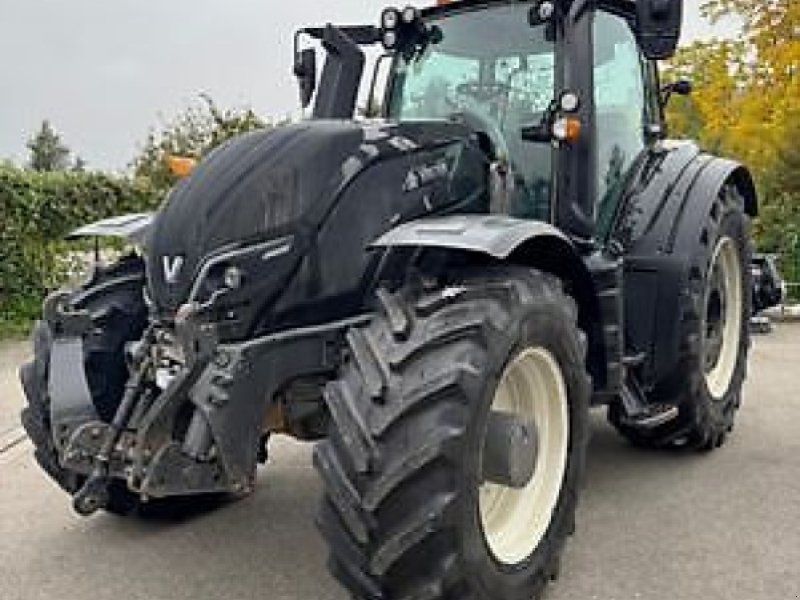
(457,5)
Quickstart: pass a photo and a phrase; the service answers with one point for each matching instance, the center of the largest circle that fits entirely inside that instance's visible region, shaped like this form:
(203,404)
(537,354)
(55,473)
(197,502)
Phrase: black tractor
(438,296)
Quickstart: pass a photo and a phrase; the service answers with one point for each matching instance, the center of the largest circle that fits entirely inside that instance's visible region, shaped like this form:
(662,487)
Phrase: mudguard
(495,235)
(134,228)
(542,246)
(661,229)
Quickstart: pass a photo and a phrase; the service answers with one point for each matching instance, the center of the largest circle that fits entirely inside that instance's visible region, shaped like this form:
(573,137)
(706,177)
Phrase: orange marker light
(567,129)
(181,166)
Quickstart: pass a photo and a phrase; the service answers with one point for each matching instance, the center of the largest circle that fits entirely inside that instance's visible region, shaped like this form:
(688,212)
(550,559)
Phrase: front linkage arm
(93,495)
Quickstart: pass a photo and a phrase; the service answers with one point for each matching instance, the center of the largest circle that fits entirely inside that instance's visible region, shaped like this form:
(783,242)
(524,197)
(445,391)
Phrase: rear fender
(663,237)
(686,231)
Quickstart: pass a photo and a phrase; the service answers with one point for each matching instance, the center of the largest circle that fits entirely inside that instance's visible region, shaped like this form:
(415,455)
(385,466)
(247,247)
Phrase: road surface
(651,526)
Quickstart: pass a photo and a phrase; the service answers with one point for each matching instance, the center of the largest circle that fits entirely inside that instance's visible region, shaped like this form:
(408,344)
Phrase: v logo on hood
(172,268)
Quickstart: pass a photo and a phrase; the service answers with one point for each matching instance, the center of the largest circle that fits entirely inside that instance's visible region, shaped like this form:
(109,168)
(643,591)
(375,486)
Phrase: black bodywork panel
(324,188)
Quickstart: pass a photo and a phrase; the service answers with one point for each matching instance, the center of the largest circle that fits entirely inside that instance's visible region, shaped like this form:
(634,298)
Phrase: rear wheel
(707,385)
(414,506)
(114,300)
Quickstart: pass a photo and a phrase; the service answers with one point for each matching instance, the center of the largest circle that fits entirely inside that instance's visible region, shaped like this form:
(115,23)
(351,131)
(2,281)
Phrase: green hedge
(36,211)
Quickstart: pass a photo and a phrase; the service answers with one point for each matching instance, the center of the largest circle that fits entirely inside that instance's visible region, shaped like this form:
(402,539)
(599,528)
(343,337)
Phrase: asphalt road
(651,526)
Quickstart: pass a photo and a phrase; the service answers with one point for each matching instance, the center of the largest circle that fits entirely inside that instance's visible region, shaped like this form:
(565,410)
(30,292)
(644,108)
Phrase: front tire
(406,511)
(115,301)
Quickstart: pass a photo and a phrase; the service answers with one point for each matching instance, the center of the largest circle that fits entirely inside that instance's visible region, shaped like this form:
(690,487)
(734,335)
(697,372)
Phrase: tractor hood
(268,186)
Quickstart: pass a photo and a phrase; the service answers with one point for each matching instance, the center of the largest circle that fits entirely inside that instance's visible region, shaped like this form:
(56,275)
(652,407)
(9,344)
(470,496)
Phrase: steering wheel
(484,92)
(481,123)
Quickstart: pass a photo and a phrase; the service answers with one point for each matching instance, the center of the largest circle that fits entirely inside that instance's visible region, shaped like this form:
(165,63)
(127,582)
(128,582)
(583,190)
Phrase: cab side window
(622,109)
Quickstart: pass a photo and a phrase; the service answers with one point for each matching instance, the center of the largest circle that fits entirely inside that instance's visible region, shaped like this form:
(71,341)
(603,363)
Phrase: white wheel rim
(514,521)
(722,323)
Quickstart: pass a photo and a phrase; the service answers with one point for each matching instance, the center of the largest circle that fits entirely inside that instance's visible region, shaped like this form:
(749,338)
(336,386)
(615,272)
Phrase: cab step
(639,412)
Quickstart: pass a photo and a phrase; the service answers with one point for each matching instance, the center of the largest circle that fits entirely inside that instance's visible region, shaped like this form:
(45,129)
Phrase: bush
(36,211)
(192,134)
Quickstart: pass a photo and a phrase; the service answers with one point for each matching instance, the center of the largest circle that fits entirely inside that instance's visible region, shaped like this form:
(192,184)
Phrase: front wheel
(115,302)
(458,440)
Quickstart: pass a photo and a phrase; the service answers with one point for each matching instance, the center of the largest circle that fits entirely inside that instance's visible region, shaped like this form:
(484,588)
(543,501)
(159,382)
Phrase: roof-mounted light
(410,15)
(389,39)
(390,19)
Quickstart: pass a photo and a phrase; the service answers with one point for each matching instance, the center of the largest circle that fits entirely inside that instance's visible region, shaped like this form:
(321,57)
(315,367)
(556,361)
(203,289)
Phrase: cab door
(628,114)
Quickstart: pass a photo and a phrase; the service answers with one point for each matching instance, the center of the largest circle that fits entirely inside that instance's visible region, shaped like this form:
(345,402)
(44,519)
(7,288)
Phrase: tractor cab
(497,84)
(564,96)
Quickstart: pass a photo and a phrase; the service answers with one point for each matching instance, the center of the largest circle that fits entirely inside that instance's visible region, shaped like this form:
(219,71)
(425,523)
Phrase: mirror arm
(666,96)
(682,88)
(361,35)
(540,133)
(577,9)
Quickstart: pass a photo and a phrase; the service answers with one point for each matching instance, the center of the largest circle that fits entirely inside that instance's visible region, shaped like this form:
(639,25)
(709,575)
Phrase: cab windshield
(496,73)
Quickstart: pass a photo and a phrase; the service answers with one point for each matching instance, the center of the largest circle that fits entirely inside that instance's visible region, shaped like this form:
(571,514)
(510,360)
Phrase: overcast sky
(105,72)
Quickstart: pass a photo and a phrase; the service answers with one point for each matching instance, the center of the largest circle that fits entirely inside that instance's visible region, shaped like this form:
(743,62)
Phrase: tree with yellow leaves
(746,104)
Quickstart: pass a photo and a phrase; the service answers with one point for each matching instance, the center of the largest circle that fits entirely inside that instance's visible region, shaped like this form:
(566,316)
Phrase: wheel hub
(510,450)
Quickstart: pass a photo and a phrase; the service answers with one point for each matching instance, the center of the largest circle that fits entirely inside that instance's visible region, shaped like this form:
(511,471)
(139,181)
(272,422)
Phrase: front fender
(134,228)
(496,235)
(540,246)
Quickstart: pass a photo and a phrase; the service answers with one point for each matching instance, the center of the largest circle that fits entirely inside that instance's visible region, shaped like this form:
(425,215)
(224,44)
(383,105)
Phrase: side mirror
(682,87)
(305,69)
(658,24)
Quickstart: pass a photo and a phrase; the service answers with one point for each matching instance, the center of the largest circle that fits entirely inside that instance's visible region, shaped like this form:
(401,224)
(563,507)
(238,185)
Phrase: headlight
(228,271)
(233,278)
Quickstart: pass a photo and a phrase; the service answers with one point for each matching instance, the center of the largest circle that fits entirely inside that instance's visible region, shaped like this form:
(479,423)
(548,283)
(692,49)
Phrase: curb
(788,314)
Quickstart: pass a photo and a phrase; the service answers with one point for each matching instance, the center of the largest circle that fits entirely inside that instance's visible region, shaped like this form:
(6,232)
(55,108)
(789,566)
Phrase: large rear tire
(114,298)
(407,512)
(707,384)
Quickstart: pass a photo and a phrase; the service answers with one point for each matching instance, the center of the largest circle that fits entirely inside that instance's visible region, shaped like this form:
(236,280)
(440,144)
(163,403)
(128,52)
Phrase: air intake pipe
(341,76)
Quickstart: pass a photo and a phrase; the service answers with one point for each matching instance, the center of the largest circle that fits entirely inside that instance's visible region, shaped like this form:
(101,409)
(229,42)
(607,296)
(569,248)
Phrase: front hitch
(93,495)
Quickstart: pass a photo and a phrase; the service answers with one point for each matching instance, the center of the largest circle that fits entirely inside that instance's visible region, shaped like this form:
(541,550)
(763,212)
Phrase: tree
(712,110)
(745,106)
(746,90)
(193,134)
(48,153)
